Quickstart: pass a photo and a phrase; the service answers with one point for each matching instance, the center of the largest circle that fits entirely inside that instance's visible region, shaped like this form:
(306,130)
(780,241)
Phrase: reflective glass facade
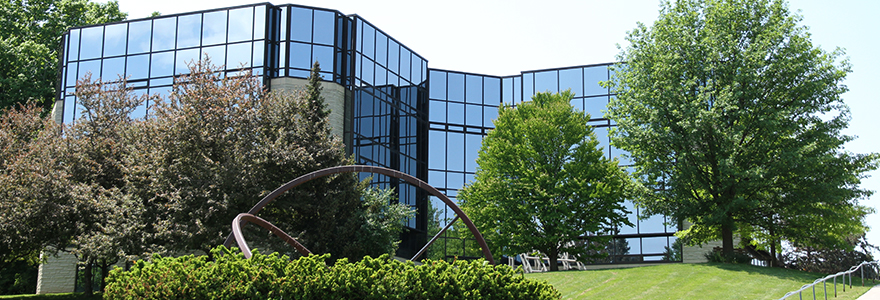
(428,123)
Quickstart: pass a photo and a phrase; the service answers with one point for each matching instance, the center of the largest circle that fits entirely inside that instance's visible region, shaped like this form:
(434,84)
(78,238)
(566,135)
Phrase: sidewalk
(872,294)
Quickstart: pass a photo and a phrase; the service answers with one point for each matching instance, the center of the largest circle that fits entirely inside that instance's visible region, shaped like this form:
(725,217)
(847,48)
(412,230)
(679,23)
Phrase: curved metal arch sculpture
(250,216)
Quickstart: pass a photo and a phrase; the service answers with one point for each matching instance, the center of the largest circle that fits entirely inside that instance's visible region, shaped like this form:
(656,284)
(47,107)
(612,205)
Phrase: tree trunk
(87,280)
(773,253)
(727,241)
(554,259)
(105,269)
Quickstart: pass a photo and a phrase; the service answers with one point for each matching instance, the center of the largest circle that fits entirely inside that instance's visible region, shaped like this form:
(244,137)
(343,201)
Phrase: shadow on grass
(785,274)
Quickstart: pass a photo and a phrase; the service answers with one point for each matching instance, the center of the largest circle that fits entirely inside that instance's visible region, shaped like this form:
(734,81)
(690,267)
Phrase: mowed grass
(64,296)
(693,281)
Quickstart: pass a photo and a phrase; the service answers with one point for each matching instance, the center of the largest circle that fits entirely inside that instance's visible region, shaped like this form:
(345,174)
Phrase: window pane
(73,45)
(491,91)
(474,89)
(301,24)
(438,111)
(163,33)
(139,36)
(324,27)
(455,88)
(546,82)
(324,55)
(528,88)
(114,39)
(185,58)
(416,70)
(369,41)
(490,113)
(653,224)
(141,110)
(594,106)
(602,136)
(572,79)
(654,245)
(367,70)
(217,54)
(405,57)
(71,75)
(455,152)
(300,55)
(394,56)
(437,150)
(381,49)
(474,115)
(214,30)
(632,217)
(592,77)
(438,85)
(472,149)
(260,22)
(241,24)
(89,67)
(92,39)
(189,31)
(162,64)
(137,66)
(258,59)
(238,56)
(455,113)
(507,91)
(454,180)
(112,68)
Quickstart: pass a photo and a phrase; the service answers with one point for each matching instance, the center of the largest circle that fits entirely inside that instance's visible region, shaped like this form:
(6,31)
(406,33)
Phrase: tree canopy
(30,40)
(542,183)
(734,118)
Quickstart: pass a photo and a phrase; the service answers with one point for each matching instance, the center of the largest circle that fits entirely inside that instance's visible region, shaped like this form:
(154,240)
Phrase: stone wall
(57,274)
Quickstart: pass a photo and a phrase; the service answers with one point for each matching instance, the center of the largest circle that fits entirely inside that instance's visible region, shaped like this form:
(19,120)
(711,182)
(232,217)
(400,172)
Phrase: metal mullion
(286,40)
(103,42)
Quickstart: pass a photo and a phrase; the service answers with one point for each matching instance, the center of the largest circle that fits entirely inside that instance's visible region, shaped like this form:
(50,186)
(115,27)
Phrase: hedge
(231,276)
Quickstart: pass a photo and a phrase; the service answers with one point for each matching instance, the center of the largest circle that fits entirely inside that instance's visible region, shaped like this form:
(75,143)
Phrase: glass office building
(392,110)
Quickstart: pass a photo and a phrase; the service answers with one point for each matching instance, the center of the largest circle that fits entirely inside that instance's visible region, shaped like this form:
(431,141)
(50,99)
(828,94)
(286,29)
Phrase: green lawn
(691,281)
(67,296)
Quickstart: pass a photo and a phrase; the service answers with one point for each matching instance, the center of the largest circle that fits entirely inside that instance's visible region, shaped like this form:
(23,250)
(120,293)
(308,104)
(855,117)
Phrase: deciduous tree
(542,183)
(734,117)
(30,39)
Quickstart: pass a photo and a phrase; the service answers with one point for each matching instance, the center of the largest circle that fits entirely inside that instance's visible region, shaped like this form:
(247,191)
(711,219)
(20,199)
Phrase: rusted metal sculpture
(250,216)
(239,237)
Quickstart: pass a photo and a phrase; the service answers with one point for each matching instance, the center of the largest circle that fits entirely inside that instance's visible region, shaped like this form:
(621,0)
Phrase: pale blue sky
(506,37)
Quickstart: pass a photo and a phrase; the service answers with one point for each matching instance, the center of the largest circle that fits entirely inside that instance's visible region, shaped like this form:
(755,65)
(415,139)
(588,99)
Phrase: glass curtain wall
(150,53)
(462,108)
(389,129)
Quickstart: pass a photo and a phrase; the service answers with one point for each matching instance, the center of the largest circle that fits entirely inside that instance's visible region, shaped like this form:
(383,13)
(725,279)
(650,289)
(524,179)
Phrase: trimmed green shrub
(232,276)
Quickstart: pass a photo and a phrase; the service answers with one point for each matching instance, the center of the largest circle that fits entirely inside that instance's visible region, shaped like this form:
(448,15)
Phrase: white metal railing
(824,280)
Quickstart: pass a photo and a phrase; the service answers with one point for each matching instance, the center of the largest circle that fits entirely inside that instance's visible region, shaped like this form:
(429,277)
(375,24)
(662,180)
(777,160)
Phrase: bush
(232,276)
(739,257)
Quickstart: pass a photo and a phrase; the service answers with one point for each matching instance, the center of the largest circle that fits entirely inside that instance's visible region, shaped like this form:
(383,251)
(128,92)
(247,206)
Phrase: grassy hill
(692,281)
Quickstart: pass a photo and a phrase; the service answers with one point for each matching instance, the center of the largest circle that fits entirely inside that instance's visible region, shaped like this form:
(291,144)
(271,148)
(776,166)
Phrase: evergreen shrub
(231,276)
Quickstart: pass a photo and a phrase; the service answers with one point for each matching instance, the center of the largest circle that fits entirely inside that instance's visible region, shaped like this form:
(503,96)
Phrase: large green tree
(734,118)
(542,183)
(30,40)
